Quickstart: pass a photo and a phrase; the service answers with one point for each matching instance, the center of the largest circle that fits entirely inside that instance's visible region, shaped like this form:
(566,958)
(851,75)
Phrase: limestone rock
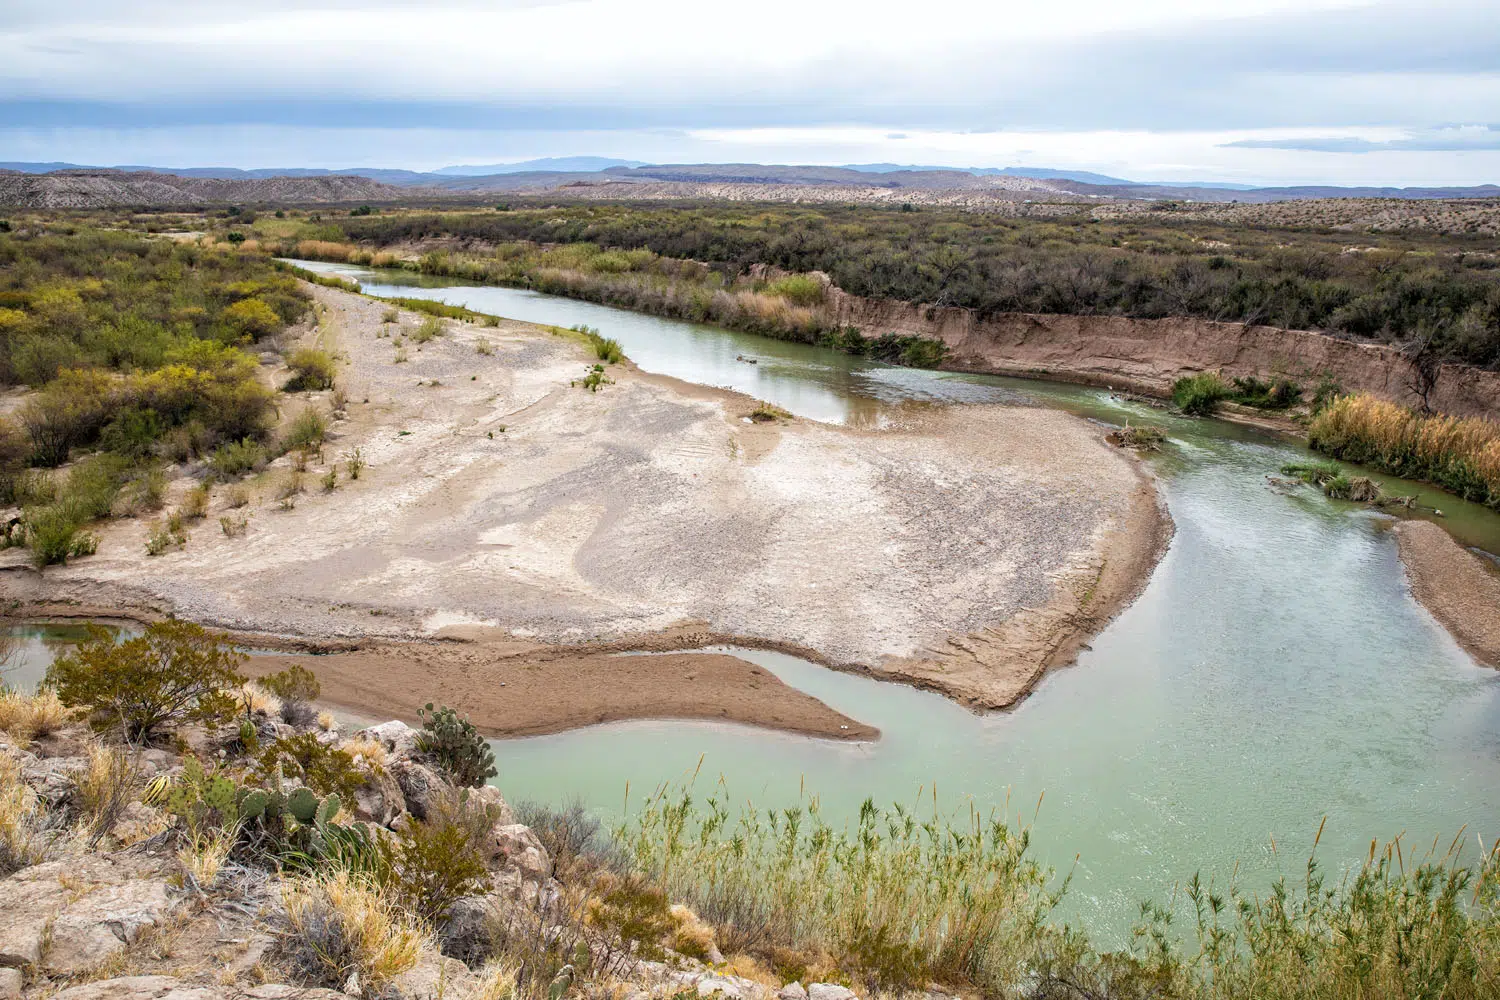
(492,799)
(102,922)
(514,844)
(168,988)
(829,991)
(434,978)
(137,822)
(420,786)
(380,799)
(397,737)
(792,991)
(10,984)
(465,932)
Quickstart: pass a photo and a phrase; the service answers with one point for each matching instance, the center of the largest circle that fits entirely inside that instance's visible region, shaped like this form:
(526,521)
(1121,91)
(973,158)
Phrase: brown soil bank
(536,690)
(965,549)
(1458,587)
(1148,355)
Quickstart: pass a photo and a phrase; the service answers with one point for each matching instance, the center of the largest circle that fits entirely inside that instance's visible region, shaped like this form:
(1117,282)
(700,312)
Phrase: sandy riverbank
(965,549)
(1459,588)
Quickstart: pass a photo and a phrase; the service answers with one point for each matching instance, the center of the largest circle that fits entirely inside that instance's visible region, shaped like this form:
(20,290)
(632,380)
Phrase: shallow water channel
(1275,670)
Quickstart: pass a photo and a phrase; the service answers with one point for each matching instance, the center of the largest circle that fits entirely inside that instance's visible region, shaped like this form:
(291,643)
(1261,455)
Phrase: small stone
(10,984)
(829,991)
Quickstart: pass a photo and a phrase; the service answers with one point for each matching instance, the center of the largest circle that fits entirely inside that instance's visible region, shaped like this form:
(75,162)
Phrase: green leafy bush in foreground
(173,674)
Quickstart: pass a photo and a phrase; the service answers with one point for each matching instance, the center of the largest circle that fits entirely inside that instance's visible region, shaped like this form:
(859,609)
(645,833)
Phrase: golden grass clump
(203,856)
(25,717)
(20,819)
(370,751)
(342,924)
(1460,454)
(104,788)
(259,700)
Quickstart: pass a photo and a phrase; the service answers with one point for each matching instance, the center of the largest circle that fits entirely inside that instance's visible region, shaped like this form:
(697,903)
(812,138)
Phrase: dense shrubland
(137,352)
(1441,294)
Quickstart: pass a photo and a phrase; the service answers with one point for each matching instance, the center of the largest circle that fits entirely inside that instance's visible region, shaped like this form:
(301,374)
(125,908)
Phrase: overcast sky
(1256,91)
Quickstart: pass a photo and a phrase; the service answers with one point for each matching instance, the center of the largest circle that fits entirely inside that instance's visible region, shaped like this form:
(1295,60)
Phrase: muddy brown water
(1275,671)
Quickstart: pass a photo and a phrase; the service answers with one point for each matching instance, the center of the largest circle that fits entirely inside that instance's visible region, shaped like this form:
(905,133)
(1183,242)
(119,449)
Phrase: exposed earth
(961,549)
(1459,588)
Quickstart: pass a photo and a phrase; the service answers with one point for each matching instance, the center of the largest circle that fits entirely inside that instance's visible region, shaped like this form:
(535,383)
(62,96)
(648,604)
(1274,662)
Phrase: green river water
(1274,671)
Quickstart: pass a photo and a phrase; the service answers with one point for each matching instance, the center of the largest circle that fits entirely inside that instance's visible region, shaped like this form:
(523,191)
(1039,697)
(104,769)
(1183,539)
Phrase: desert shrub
(575,839)
(327,770)
(1199,395)
(307,431)
(145,490)
(593,379)
(163,538)
(391,316)
(23,823)
(355,463)
(173,674)
(1278,395)
(195,504)
(342,925)
(434,864)
(456,746)
(252,319)
(311,369)
(233,527)
(297,688)
(55,534)
(1142,437)
(238,457)
(428,329)
(798,289)
(765,413)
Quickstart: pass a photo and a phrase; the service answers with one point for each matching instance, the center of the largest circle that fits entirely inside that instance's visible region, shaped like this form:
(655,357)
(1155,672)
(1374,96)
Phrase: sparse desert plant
(287,492)
(103,789)
(330,479)
(297,688)
(22,821)
(355,463)
(307,431)
(195,504)
(456,746)
(428,329)
(606,349)
(173,674)
(236,497)
(238,457)
(311,369)
(593,378)
(141,492)
(233,527)
(400,356)
(767,412)
(483,346)
(342,925)
(338,400)
(391,316)
(204,855)
(162,538)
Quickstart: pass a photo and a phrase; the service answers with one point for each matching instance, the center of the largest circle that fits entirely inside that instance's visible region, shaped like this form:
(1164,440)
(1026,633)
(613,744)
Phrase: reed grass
(1459,454)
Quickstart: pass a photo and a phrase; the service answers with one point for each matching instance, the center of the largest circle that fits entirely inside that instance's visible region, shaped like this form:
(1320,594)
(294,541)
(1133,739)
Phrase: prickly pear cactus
(253,805)
(303,805)
(328,810)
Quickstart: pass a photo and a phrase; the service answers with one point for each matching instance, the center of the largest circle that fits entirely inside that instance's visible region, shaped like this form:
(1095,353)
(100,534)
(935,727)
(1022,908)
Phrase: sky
(1250,91)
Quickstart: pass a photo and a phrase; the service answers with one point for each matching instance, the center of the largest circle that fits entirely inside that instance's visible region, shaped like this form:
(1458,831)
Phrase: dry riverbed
(512,528)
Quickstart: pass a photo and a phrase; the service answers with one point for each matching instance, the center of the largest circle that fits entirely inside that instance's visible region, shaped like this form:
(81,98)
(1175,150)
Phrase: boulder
(380,799)
(515,845)
(10,984)
(420,786)
(829,991)
(465,933)
(492,799)
(25,909)
(792,991)
(397,737)
(137,822)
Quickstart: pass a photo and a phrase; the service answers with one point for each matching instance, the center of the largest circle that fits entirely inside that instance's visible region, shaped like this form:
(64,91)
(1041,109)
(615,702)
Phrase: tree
(174,674)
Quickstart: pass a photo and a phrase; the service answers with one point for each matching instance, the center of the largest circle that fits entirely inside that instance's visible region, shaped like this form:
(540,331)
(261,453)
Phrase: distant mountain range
(76,185)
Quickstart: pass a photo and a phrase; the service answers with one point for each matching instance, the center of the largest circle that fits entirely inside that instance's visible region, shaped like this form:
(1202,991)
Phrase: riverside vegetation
(1438,295)
(138,354)
(377,864)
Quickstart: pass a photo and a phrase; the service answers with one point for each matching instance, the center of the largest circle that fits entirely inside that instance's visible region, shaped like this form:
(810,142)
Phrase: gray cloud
(1449,139)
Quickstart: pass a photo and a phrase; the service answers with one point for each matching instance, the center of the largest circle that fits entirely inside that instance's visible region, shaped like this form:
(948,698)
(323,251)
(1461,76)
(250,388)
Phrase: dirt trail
(1460,589)
(964,549)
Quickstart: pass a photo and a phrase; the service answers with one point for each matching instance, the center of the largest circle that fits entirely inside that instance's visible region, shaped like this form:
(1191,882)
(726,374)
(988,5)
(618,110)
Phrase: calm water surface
(1275,670)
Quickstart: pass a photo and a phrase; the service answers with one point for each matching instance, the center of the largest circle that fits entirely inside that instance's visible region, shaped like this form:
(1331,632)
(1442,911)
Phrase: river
(1275,670)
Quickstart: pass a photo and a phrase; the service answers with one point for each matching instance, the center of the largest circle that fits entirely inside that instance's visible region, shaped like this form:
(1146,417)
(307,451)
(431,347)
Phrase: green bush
(238,457)
(311,369)
(798,289)
(435,864)
(174,674)
(1200,395)
(327,770)
(426,330)
(456,746)
(295,683)
(307,431)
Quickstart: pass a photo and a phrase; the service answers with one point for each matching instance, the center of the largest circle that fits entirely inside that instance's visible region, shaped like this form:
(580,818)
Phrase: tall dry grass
(1460,454)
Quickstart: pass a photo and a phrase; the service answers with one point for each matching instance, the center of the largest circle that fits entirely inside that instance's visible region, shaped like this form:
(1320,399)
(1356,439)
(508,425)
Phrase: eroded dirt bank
(1460,589)
(1147,355)
(964,549)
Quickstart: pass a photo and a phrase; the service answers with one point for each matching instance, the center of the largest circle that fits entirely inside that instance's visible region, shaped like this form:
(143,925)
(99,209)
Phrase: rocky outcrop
(1148,355)
(170,988)
(64,917)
